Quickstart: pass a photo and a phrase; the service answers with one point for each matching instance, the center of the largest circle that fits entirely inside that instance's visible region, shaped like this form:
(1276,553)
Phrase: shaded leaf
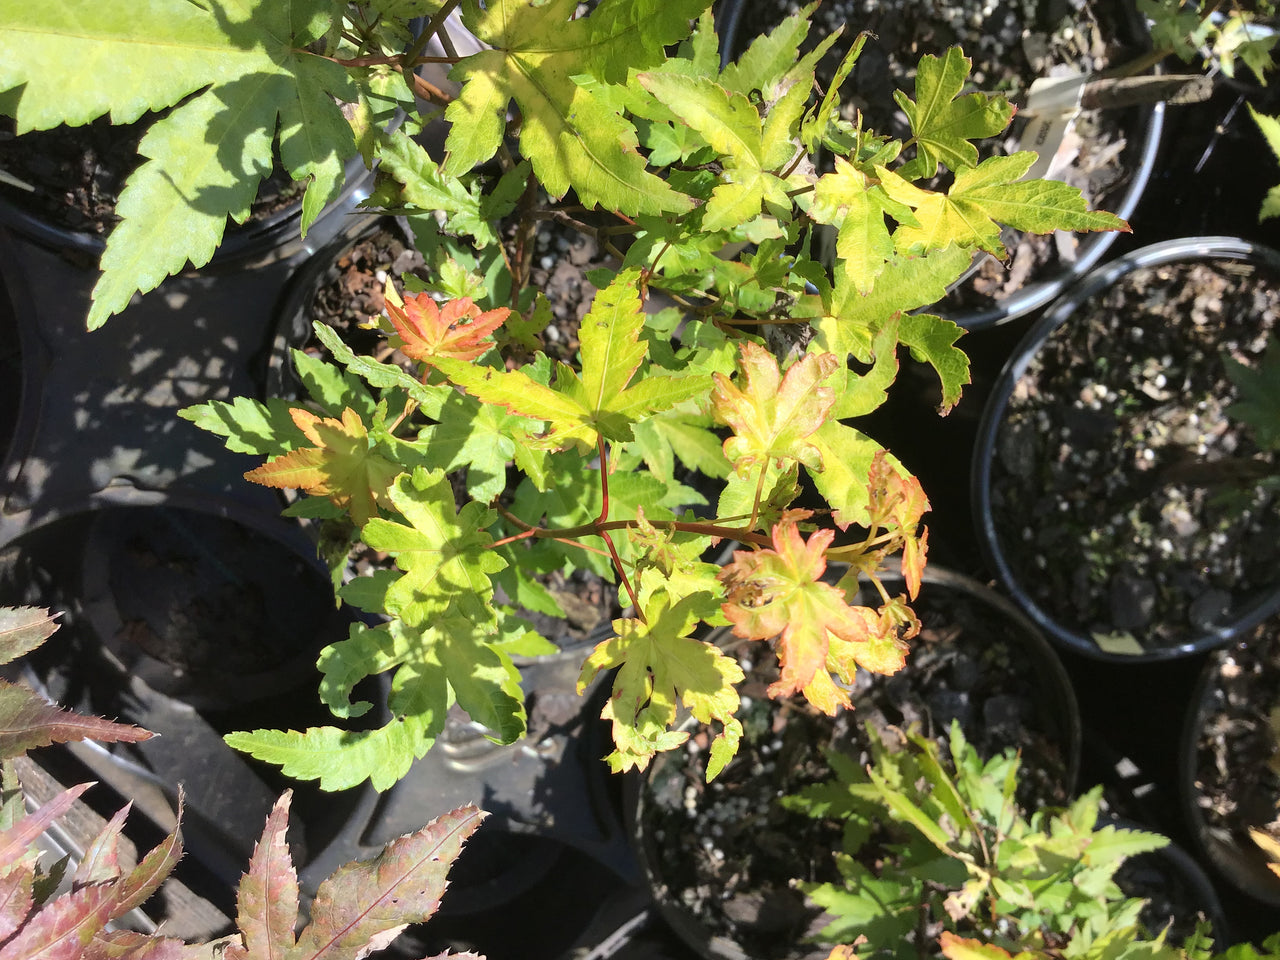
(27,721)
(771,414)
(23,629)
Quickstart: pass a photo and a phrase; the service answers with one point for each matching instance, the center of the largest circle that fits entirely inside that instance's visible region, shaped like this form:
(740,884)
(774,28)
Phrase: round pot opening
(720,857)
(1119,498)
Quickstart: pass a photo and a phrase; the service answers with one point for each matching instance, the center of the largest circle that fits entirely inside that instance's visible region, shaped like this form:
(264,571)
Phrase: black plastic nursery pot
(719,858)
(1229,771)
(1117,499)
(1108,151)
(192,618)
(77,172)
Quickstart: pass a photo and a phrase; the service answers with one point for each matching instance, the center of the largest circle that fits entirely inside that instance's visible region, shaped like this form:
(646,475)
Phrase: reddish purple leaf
(22,629)
(364,904)
(145,879)
(63,927)
(127,945)
(101,861)
(27,721)
(15,897)
(15,840)
(267,903)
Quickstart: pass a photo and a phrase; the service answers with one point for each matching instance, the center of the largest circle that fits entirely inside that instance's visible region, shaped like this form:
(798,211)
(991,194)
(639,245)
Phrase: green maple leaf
(1270,127)
(752,147)
(847,455)
(601,401)
(1259,391)
(987,195)
(443,552)
(573,137)
(661,667)
(241,72)
(341,759)
(848,200)
(424,186)
(248,426)
(851,323)
(479,437)
(942,122)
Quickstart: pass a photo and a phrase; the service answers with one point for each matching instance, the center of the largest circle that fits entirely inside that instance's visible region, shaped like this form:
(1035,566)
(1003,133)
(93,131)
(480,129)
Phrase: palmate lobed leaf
(601,401)
(573,137)
(772,414)
(943,123)
(342,465)
(459,330)
(985,196)
(367,903)
(753,148)
(778,592)
(246,73)
(67,926)
(661,667)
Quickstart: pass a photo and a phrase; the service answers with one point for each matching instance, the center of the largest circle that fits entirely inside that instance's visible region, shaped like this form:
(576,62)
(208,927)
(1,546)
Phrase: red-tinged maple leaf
(896,505)
(341,466)
(457,331)
(779,593)
(771,414)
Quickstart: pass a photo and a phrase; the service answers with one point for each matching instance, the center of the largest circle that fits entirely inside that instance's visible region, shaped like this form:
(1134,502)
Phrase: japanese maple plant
(717,343)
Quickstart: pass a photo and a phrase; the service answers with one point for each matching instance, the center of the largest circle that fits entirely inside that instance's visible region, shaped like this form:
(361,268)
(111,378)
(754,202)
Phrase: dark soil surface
(1237,746)
(78,172)
(1127,501)
(1011,44)
(726,853)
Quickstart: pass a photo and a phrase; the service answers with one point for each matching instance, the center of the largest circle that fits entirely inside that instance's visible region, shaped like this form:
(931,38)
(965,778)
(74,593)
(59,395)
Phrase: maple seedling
(720,366)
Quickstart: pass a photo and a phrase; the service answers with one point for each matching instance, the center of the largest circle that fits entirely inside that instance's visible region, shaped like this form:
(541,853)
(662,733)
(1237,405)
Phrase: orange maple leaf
(779,593)
(457,331)
(341,466)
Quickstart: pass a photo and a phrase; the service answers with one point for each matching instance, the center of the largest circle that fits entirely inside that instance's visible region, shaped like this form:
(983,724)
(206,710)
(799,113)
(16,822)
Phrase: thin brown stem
(430,29)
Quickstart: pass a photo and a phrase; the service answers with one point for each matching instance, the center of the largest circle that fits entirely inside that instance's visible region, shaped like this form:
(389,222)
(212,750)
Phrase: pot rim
(1166,251)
